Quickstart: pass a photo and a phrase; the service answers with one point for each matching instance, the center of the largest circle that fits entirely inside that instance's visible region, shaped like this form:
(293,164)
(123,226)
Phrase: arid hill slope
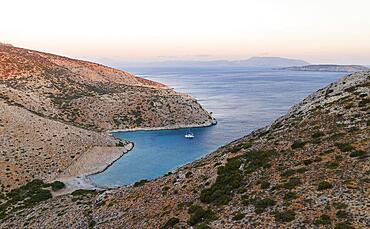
(91,95)
(51,109)
(34,147)
(309,168)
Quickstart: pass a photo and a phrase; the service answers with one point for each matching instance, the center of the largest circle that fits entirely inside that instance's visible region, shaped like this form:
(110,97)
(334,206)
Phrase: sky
(319,31)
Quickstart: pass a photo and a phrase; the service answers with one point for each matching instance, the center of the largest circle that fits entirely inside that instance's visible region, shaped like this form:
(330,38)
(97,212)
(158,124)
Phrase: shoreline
(171,127)
(74,180)
(83,180)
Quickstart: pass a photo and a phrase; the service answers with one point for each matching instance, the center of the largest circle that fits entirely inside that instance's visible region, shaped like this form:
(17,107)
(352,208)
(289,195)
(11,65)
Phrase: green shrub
(292,183)
(140,183)
(343,225)
(120,144)
(57,185)
(327,151)
(288,173)
(332,165)
(257,159)
(318,134)
(230,177)
(324,220)
(298,144)
(92,224)
(344,147)
(199,215)
(25,196)
(342,214)
(170,223)
(193,208)
(364,102)
(307,161)
(358,153)
(83,192)
(235,149)
(247,145)
(188,174)
(238,216)
(301,170)
(285,216)
(290,196)
(39,196)
(265,184)
(339,158)
(324,185)
(261,205)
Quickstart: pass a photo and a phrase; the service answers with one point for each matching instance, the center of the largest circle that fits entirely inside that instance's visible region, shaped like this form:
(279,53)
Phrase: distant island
(328,68)
(263,62)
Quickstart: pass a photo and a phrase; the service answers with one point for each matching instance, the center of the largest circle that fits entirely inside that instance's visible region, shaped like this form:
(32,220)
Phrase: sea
(241,99)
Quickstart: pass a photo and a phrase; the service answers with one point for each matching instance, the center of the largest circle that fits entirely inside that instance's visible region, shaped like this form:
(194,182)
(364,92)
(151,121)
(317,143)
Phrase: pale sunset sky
(319,31)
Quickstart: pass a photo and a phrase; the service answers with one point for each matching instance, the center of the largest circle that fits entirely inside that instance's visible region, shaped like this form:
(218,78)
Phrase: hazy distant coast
(328,68)
(262,62)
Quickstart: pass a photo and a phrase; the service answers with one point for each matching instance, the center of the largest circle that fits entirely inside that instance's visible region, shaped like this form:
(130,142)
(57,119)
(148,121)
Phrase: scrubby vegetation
(343,225)
(140,183)
(344,147)
(238,216)
(265,184)
(230,177)
(170,223)
(25,196)
(318,134)
(261,205)
(358,153)
(57,185)
(292,183)
(285,216)
(298,144)
(83,192)
(199,215)
(324,220)
(324,185)
(290,196)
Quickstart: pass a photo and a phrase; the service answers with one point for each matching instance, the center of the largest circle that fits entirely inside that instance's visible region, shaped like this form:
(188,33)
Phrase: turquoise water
(242,100)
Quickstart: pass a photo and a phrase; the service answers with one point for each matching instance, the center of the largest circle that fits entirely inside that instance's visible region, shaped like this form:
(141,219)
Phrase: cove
(242,100)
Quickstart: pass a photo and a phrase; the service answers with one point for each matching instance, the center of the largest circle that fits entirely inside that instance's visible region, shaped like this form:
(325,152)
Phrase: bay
(241,99)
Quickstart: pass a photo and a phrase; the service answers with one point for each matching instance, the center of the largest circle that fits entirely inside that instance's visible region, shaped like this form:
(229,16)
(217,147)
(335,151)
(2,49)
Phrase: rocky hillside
(51,111)
(34,147)
(309,169)
(90,95)
(328,68)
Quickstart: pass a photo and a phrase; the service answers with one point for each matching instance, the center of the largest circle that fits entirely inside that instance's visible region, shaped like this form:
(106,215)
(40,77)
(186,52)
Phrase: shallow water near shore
(242,100)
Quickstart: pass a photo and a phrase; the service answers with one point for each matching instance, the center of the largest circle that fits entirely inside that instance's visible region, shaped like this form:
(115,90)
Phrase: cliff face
(90,95)
(309,168)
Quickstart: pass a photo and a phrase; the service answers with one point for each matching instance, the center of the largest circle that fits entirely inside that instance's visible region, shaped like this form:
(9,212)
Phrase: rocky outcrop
(310,168)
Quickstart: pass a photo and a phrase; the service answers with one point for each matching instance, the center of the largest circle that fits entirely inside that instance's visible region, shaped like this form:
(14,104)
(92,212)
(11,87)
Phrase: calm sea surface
(242,100)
